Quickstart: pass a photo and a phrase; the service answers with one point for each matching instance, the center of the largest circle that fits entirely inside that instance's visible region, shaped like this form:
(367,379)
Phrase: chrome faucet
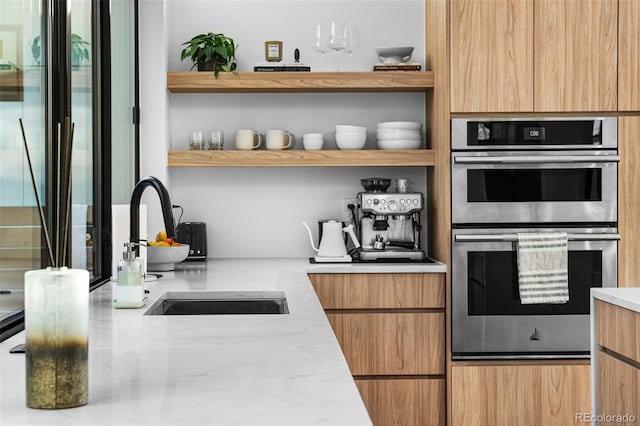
(134,208)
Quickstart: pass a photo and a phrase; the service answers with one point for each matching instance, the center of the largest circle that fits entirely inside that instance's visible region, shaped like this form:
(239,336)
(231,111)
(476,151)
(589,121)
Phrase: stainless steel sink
(220,303)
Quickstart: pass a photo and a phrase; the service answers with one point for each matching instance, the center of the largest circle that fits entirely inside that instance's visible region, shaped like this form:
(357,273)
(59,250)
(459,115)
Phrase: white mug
(248,139)
(279,139)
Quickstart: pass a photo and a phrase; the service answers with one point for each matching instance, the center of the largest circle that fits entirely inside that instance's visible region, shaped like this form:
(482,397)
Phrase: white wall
(252,212)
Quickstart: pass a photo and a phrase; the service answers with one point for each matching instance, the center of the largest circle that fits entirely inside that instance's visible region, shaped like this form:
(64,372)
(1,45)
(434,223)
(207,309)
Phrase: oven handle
(546,159)
(479,238)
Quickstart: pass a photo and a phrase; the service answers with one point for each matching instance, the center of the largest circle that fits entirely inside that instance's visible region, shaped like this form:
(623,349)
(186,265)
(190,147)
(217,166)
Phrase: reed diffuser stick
(58,197)
(69,151)
(37,194)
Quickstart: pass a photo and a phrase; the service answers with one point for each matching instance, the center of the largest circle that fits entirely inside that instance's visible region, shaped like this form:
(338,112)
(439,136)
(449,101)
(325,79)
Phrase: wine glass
(322,40)
(337,39)
(352,39)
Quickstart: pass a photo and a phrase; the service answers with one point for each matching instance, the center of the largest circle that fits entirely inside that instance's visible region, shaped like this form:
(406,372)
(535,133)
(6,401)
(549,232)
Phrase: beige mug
(279,139)
(248,139)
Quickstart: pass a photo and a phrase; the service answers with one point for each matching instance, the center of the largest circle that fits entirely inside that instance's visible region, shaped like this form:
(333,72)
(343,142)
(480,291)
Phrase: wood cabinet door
(492,56)
(618,389)
(575,55)
(629,55)
(404,402)
(391,343)
(618,329)
(523,395)
(379,291)
(629,201)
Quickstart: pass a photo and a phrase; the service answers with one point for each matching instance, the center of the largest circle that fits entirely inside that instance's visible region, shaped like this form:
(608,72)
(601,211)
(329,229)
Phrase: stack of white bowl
(399,135)
(350,137)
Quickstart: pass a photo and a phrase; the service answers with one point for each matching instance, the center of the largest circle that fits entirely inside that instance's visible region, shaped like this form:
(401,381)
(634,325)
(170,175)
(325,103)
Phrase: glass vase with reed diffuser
(57,304)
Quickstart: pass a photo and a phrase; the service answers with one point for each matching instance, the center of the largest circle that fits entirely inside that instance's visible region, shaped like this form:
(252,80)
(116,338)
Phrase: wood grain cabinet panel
(379,291)
(523,395)
(618,329)
(575,55)
(629,55)
(391,343)
(492,56)
(618,388)
(629,200)
(404,402)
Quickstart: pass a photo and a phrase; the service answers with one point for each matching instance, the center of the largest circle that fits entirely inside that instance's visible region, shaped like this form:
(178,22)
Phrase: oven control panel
(385,203)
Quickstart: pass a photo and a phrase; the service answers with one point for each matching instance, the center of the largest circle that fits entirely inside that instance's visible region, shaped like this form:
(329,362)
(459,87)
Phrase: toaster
(194,234)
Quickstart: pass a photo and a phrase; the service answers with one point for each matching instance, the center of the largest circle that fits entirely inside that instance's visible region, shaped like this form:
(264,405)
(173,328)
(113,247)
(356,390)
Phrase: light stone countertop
(205,370)
(626,297)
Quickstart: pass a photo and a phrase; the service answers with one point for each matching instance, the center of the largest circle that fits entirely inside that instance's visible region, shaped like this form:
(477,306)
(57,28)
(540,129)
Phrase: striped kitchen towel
(542,268)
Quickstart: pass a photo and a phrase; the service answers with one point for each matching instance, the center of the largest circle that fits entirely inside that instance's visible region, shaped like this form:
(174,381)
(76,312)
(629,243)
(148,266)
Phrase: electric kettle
(332,247)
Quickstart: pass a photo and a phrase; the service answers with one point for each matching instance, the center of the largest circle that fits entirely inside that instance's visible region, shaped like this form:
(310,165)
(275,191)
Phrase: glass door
(54,63)
(22,95)
(82,112)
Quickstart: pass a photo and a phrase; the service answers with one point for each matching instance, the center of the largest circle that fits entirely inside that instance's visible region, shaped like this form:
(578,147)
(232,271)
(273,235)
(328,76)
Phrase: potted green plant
(79,50)
(211,52)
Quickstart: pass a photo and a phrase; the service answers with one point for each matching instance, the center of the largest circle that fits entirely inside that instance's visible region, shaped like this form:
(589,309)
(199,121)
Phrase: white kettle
(332,247)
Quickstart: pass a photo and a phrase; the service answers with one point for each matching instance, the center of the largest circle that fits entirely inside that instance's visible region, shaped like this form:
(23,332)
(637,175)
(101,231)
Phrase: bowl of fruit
(164,253)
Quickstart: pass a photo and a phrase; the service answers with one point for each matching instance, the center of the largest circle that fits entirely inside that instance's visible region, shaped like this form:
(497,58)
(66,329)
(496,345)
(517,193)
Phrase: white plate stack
(399,135)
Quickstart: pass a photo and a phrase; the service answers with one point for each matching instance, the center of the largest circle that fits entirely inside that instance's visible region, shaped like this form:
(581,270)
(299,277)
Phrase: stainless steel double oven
(511,176)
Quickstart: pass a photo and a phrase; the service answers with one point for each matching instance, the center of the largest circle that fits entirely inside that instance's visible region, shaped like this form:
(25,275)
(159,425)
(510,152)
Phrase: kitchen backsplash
(259,212)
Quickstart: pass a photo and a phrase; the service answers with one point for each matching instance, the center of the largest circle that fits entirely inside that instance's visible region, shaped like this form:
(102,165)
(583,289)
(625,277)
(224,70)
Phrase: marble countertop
(205,370)
(626,297)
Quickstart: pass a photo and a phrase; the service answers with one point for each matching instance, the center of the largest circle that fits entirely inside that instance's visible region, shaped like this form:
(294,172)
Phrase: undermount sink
(220,303)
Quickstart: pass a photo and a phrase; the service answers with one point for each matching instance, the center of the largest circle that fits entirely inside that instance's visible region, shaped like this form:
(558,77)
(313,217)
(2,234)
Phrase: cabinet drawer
(406,402)
(379,291)
(618,329)
(618,387)
(391,343)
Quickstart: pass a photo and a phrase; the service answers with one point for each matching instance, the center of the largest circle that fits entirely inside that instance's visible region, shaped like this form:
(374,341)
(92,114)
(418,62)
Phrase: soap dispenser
(129,290)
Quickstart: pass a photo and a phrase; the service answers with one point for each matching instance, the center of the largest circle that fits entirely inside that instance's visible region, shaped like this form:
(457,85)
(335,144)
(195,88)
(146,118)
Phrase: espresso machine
(388,223)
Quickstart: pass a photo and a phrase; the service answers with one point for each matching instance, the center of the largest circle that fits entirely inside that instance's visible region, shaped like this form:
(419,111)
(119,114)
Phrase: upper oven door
(534,133)
(534,187)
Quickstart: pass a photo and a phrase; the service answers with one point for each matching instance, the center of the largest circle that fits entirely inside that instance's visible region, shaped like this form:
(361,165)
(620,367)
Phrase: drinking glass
(195,140)
(215,140)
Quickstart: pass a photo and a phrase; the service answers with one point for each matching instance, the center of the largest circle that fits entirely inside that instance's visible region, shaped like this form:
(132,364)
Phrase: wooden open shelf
(307,82)
(302,158)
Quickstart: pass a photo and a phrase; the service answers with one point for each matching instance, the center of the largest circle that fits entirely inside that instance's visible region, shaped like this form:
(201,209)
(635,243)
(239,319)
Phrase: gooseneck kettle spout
(313,246)
(165,204)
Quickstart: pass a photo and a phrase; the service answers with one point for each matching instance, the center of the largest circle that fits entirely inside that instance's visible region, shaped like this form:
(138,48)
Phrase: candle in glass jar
(273,51)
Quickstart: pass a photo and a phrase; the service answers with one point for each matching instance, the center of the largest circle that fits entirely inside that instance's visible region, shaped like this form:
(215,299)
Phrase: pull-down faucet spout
(134,208)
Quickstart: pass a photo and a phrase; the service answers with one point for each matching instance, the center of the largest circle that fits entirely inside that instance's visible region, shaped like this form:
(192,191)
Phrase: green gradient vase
(57,331)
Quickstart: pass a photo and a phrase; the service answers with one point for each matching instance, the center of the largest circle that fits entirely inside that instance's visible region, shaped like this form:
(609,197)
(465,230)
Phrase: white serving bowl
(350,140)
(350,128)
(399,144)
(394,55)
(399,134)
(165,258)
(400,125)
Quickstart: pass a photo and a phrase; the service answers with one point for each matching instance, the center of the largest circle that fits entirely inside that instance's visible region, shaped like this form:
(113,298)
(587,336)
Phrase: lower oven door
(488,319)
